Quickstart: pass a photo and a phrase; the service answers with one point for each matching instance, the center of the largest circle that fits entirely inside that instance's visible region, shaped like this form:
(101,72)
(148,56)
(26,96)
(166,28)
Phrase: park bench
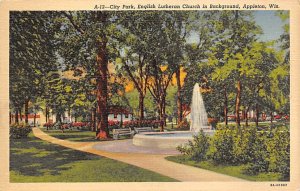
(143,129)
(124,131)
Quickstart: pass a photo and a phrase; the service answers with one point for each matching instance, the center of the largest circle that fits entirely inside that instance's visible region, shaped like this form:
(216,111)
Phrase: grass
(170,127)
(262,125)
(76,135)
(235,171)
(34,160)
(72,135)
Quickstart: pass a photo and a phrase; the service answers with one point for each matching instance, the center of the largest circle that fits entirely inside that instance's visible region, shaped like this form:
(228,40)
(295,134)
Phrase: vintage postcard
(160,95)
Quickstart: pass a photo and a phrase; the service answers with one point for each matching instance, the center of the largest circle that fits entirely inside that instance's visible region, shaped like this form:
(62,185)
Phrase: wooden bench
(143,129)
(124,131)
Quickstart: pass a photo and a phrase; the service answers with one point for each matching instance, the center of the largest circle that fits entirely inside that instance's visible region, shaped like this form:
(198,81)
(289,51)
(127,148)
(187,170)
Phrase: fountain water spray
(198,112)
(173,139)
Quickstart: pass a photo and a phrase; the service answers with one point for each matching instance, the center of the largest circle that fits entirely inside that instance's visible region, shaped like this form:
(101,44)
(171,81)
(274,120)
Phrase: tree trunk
(9,117)
(225,106)
(243,115)
(141,105)
(238,103)
(161,118)
(46,114)
(247,111)
(34,119)
(102,63)
(20,113)
(58,117)
(16,116)
(95,120)
(91,119)
(69,114)
(26,111)
(257,115)
(162,114)
(179,102)
(271,114)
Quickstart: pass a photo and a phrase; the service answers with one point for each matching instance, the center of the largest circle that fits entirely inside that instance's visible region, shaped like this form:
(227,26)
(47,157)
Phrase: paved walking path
(126,146)
(153,162)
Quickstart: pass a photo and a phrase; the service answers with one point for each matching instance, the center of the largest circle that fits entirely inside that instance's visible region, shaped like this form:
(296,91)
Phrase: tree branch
(153,94)
(131,76)
(68,16)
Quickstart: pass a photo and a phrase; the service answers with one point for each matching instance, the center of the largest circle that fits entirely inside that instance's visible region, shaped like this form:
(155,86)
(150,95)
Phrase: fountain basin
(164,140)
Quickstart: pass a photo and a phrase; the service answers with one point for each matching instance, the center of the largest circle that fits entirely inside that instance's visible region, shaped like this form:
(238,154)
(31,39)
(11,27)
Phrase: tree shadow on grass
(34,157)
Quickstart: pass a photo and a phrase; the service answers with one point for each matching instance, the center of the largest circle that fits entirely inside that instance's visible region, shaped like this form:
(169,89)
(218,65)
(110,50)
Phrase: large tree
(89,36)
(32,56)
(237,31)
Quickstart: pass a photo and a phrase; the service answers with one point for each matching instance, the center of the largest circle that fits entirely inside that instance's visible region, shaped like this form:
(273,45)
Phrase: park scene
(149,96)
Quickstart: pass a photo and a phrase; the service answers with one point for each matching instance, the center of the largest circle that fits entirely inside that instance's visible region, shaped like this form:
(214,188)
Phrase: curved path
(126,146)
(153,162)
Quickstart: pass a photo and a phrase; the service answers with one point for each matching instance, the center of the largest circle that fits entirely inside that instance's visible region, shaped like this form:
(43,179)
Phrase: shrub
(259,161)
(48,124)
(196,149)
(18,131)
(80,125)
(244,138)
(261,151)
(221,150)
(279,149)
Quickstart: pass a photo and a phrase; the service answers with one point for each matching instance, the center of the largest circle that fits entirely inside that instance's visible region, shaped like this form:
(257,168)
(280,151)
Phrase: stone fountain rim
(144,135)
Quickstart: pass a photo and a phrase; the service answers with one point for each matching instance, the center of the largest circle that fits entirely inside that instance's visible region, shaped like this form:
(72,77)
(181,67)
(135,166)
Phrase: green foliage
(262,151)
(196,149)
(259,161)
(231,170)
(279,149)
(32,55)
(133,101)
(18,131)
(222,146)
(243,148)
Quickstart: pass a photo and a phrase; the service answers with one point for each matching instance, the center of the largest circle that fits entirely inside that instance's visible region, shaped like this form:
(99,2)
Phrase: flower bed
(48,124)
(113,124)
(79,125)
(141,123)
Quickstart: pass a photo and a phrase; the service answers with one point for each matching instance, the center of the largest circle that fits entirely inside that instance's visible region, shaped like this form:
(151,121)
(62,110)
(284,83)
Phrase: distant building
(118,113)
(30,118)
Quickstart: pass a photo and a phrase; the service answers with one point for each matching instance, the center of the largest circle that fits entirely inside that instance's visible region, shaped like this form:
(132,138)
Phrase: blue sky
(270,24)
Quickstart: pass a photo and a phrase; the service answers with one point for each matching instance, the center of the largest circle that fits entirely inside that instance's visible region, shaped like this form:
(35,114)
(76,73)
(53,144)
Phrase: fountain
(172,139)
(198,112)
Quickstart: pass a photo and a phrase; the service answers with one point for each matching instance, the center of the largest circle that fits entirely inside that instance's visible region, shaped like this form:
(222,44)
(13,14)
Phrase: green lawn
(72,135)
(236,171)
(34,160)
(76,135)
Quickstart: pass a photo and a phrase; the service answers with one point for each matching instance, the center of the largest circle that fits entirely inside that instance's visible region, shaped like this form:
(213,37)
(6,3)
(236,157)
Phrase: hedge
(17,131)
